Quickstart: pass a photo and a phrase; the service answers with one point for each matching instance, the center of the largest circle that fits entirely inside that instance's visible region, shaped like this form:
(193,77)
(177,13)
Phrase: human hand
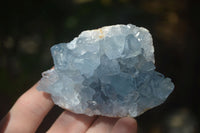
(30,109)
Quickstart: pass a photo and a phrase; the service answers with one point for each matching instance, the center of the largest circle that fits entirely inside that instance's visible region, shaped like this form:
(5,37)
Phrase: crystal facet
(108,71)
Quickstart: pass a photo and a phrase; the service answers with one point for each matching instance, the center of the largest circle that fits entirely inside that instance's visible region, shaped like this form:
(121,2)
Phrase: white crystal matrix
(108,71)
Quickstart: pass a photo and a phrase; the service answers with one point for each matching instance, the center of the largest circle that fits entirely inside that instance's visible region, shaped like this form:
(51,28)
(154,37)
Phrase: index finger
(28,111)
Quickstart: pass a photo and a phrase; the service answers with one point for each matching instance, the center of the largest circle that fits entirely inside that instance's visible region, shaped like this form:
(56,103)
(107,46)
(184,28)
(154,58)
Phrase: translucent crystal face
(108,71)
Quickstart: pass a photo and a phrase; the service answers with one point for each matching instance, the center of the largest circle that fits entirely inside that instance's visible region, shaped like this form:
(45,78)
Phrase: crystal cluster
(108,71)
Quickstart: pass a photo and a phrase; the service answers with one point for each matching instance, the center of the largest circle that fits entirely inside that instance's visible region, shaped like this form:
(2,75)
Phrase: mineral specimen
(108,71)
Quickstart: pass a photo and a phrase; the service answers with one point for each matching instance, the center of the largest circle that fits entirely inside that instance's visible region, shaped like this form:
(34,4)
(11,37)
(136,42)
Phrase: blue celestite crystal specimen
(108,71)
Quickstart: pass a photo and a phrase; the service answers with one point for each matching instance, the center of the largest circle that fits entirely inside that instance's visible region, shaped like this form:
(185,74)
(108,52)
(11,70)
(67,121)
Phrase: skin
(32,107)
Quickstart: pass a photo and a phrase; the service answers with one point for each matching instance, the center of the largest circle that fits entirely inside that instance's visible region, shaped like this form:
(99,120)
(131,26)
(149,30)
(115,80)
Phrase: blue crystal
(108,71)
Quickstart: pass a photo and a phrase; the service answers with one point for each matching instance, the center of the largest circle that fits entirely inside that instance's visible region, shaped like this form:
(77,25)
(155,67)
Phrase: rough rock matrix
(108,71)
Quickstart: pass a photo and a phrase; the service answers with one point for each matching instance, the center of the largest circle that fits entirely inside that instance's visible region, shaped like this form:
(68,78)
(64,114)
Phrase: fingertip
(125,125)
(30,108)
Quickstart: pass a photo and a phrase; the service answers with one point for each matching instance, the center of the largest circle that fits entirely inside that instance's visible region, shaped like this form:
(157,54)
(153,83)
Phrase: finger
(125,125)
(28,111)
(69,122)
(102,125)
